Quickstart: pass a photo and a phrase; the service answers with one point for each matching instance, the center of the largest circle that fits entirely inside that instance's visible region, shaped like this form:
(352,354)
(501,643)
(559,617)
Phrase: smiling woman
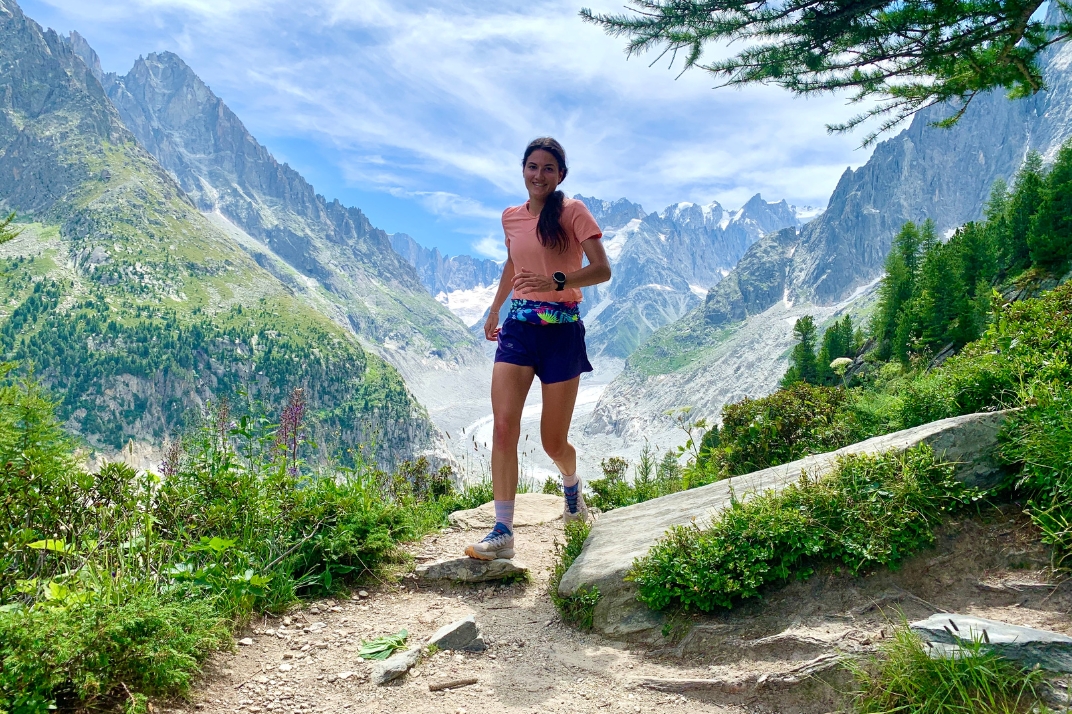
(547,238)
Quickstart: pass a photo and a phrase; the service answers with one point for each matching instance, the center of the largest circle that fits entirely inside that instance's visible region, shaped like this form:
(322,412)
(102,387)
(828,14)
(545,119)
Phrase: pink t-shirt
(526,251)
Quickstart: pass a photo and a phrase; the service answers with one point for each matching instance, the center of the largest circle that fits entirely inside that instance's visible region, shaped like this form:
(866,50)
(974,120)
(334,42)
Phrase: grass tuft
(904,677)
(577,609)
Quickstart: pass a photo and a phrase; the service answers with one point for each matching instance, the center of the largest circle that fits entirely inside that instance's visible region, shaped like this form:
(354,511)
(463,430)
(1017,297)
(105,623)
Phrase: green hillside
(126,301)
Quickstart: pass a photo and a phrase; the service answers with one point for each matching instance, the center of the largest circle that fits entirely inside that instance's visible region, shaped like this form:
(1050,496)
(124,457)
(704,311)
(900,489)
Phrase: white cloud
(490,247)
(433,101)
(444,203)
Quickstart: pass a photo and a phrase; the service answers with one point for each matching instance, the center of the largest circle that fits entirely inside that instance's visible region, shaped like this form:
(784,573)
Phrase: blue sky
(417,111)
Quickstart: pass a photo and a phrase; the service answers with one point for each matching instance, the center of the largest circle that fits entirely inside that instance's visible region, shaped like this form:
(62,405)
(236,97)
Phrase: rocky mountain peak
(612,215)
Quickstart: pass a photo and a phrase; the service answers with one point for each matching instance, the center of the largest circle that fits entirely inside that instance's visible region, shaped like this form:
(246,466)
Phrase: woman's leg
(558,401)
(510,385)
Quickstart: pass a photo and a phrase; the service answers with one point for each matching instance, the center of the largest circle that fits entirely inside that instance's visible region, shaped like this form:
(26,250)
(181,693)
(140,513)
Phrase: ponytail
(549,228)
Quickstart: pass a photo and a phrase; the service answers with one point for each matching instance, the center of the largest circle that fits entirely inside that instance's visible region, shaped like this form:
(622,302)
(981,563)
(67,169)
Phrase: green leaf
(381,648)
(53,544)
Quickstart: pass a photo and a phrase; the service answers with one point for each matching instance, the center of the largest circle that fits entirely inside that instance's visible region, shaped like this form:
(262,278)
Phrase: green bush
(904,677)
(870,511)
(782,427)
(1039,440)
(83,655)
(651,479)
(576,609)
(1029,343)
(139,575)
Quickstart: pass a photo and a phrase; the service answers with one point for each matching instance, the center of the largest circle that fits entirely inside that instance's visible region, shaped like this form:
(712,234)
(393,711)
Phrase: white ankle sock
(504,513)
(570,481)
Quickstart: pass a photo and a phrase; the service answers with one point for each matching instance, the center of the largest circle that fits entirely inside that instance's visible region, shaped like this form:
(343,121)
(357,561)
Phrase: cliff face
(734,343)
(226,172)
(665,262)
(446,273)
(130,304)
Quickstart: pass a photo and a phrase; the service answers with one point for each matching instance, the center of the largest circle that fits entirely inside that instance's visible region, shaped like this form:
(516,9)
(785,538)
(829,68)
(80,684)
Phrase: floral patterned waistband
(544,313)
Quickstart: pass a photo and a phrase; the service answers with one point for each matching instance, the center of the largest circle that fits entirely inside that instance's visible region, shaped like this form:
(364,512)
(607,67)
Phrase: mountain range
(137,309)
(323,250)
(735,343)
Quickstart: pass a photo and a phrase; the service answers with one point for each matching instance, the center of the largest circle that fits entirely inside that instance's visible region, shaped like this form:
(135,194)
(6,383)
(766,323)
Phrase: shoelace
(497,532)
(571,493)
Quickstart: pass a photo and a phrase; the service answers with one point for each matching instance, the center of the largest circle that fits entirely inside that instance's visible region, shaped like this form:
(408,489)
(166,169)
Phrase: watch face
(560,280)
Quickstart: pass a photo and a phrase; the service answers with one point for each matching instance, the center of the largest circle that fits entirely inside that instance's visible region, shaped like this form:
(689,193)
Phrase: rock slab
(395,666)
(471,570)
(1049,650)
(464,635)
(530,509)
(621,536)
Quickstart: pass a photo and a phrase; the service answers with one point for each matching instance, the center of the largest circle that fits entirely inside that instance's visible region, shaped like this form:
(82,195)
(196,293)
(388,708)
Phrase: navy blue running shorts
(556,352)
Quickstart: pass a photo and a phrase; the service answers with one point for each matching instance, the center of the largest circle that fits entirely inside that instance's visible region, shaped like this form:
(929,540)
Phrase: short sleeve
(583,224)
(506,233)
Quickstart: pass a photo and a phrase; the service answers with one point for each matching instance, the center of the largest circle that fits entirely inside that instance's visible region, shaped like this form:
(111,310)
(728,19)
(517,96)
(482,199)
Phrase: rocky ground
(756,658)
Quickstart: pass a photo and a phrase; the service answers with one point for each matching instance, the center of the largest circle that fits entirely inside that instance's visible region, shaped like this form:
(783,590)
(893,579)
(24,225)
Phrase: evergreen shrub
(871,511)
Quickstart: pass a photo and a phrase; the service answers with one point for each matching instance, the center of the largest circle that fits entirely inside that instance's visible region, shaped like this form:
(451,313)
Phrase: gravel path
(307,661)
(754,658)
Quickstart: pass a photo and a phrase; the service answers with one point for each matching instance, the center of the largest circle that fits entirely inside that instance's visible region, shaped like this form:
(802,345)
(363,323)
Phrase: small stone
(285,667)
(314,610)
(362,594)
(287,621)
(394,666)
(246,642)
(288,655)
(464,634)
(470,570)
(345,675)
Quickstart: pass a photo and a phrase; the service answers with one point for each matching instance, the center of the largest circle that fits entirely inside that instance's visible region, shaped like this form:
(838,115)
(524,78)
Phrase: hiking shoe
(497,544)
(574,508)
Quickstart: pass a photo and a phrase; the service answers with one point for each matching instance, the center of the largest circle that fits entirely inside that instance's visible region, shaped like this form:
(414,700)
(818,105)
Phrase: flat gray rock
(620,536)
(464,634)
(470,570)
(1048,650)
(395,666)
(530,509)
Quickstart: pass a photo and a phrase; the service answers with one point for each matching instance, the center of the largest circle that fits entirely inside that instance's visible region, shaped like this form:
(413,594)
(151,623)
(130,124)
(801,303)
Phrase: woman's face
(542,174)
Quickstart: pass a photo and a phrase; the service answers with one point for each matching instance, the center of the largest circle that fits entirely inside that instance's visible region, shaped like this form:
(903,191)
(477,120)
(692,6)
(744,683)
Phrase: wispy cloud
(431,101)
(490,247)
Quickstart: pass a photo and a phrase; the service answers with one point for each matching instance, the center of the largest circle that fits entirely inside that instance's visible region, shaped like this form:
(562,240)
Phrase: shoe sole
(505,554)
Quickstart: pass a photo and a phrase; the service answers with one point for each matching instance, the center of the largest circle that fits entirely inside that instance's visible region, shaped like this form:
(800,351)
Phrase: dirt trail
(308,662)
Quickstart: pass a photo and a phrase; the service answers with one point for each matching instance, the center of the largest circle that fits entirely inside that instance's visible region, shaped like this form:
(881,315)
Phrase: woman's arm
(597,271)
(491,325)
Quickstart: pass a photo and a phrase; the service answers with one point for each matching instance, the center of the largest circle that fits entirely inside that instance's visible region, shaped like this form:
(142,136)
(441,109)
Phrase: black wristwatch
(560,280)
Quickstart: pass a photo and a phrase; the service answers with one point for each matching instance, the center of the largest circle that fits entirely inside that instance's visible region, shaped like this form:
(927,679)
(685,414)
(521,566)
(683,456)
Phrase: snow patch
(698,290)
(614,241)
(806,213)
(469,305)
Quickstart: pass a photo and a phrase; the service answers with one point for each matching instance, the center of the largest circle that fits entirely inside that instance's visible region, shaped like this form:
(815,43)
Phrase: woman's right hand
(491,326)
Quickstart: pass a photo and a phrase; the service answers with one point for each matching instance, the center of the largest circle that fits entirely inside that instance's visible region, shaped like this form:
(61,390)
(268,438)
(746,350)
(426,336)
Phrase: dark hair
(549,227)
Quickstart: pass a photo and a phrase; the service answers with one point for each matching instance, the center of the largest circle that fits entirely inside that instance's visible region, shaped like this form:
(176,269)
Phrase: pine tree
(7,233)
(802,362)
(897,288)
(900,57)
(1022,206)
(1050,237)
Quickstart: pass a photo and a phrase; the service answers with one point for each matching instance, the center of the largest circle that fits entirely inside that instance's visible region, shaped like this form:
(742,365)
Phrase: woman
(546,239)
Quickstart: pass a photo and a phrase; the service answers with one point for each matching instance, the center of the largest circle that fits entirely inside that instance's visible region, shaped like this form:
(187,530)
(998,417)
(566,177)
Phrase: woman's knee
(506,432)
(556,447)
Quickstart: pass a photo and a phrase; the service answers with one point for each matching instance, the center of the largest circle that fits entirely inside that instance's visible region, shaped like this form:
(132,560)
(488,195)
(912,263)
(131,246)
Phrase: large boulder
(621,536)
(945,633)
(530,509)
(471,570)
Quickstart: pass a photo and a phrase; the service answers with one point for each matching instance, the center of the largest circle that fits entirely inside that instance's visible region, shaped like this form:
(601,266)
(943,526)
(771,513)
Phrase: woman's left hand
(526,281)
